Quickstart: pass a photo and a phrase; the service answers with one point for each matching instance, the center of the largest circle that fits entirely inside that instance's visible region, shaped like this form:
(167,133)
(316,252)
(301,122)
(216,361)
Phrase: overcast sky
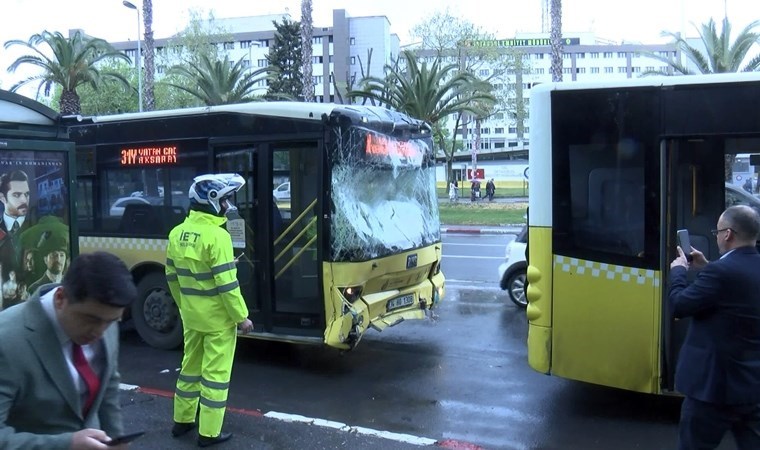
(617,20)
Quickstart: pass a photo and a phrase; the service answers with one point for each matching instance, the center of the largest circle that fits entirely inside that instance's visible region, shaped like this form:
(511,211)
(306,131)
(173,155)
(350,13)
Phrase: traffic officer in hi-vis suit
(202,277)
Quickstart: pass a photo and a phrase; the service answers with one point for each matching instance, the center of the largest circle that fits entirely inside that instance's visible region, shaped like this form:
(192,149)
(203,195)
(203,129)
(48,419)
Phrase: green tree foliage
(218,82)
(427,92)
(286,58)
(720,55)
(75,61)
(555,38)
(448,36)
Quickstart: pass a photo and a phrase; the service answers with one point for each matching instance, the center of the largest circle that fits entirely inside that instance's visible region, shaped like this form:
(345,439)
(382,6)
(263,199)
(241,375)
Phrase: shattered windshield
(383,196)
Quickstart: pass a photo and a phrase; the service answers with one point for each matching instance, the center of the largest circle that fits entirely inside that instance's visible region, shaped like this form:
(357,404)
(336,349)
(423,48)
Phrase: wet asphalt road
(461,377)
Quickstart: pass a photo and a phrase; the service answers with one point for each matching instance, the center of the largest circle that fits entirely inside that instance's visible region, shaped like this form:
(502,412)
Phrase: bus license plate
(400,302)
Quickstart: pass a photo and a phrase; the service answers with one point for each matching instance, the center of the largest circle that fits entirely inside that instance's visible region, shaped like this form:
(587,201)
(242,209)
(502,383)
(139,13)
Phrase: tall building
(342,53)
(353,47)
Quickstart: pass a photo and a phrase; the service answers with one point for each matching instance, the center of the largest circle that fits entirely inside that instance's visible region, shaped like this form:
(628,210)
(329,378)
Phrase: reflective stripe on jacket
(202,275)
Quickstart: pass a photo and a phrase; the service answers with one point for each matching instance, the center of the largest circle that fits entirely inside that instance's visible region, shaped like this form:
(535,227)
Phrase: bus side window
(141,219)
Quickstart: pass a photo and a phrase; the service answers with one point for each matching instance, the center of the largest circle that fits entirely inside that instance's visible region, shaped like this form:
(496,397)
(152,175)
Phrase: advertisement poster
(34,230)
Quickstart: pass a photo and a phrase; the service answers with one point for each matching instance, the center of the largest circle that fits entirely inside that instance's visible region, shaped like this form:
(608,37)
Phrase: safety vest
(202,276)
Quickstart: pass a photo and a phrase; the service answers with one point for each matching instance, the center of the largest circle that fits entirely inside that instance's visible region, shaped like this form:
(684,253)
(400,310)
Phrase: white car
(512,272)
(282,192)
(117,209)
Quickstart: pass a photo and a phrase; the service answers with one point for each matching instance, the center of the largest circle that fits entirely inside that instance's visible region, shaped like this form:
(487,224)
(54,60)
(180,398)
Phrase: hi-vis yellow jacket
(202,276)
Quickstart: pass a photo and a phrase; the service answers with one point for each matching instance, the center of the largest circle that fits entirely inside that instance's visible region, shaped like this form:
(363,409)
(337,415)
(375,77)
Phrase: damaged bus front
(384,263)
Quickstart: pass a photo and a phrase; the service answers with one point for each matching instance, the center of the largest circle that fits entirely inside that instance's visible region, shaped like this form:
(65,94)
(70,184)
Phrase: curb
(514,230)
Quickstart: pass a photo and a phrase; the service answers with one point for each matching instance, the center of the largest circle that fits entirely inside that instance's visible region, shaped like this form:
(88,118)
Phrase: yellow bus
(616,169)
(340,229)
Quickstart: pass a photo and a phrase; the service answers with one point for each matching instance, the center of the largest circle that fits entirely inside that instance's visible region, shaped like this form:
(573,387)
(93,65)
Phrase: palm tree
(555,36)
(73,63)
(307,30)
(219,82)
(720,54)
(426,93)
(149,93)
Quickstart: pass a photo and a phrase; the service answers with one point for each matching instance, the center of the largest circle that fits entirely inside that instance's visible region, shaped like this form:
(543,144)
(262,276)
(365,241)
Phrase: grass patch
(482,213)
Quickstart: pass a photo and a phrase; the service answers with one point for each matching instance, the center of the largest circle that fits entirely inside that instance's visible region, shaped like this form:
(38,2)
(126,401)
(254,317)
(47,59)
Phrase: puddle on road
(474,301)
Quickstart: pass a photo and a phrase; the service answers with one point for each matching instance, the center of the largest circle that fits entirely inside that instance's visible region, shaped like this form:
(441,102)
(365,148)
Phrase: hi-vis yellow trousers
(205,379)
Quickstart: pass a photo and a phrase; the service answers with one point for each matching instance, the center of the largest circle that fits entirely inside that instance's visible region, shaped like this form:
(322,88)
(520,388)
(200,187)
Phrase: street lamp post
(139,64)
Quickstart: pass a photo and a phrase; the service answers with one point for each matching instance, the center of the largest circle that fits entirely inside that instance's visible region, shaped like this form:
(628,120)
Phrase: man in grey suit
(59,382)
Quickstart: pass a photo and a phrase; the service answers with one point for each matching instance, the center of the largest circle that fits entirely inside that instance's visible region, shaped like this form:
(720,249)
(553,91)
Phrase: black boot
(180,429)
(204,441)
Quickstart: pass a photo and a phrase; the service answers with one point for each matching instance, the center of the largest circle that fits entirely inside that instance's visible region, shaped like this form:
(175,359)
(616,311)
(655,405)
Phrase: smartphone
(124,439)
(684,242)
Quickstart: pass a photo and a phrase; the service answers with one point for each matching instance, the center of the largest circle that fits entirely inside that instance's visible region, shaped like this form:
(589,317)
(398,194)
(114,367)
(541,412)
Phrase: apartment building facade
(352,47)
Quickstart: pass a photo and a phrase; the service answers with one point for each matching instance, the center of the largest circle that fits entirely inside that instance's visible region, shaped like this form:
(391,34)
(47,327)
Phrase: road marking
(398,437)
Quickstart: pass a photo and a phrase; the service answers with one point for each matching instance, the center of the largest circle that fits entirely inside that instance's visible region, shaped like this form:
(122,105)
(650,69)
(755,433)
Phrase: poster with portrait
(34,229)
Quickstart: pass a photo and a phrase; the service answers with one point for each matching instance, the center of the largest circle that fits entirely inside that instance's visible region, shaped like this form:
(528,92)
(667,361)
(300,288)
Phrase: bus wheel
(516,288)
(155,314)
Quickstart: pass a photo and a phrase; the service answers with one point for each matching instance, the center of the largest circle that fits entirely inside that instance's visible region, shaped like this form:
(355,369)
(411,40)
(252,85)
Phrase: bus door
(694,188)
(294,270)
(243,160)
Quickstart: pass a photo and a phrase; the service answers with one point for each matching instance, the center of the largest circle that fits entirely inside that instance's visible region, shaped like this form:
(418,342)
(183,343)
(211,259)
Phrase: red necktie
(88,375)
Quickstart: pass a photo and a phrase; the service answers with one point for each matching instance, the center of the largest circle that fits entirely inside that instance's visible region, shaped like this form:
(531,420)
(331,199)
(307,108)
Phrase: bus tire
(155,315)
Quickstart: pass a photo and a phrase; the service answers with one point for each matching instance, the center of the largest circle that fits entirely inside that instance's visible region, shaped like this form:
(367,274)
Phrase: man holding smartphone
(718,366)
(59,386)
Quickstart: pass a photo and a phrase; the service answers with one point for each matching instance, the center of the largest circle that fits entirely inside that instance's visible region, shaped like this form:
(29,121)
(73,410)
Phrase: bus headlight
(351,293)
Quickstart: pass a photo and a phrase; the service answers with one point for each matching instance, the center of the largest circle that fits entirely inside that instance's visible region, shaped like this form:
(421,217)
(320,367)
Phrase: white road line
(398,437)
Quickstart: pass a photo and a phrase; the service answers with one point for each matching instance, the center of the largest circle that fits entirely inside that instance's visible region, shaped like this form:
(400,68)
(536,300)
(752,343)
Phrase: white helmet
(208,191)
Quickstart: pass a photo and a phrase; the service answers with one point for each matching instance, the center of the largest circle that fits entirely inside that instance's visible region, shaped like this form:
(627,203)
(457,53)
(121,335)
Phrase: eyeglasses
(716,232)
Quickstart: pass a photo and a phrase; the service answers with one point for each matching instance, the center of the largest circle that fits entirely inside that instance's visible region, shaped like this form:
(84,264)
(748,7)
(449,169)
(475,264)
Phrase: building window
(580,55)
(539,71)
(594,70)
(499,130)
(566,55)
(512,130)
(246,63)
(512,144)
(317,79)
(498,145)
(485,131)
(594,55)
(622,69)
(484,72)
(580,70)
(608,70)
(262,63)
(664,54)
(263,43)
(567,70)
(331,78)
(316,60)
(650,69)
(161,69)
(352,41)
(245,44)
(353,60)
(608,54)
(621,54)
(316,40)
(228,45)
(538,55)
(636,69)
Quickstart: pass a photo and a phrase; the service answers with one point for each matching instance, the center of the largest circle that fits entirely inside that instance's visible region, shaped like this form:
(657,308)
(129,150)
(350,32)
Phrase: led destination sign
(394,149)
(149,156)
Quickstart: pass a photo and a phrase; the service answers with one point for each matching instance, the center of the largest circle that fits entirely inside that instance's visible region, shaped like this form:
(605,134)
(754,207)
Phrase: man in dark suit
(59,383)
(719,364)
